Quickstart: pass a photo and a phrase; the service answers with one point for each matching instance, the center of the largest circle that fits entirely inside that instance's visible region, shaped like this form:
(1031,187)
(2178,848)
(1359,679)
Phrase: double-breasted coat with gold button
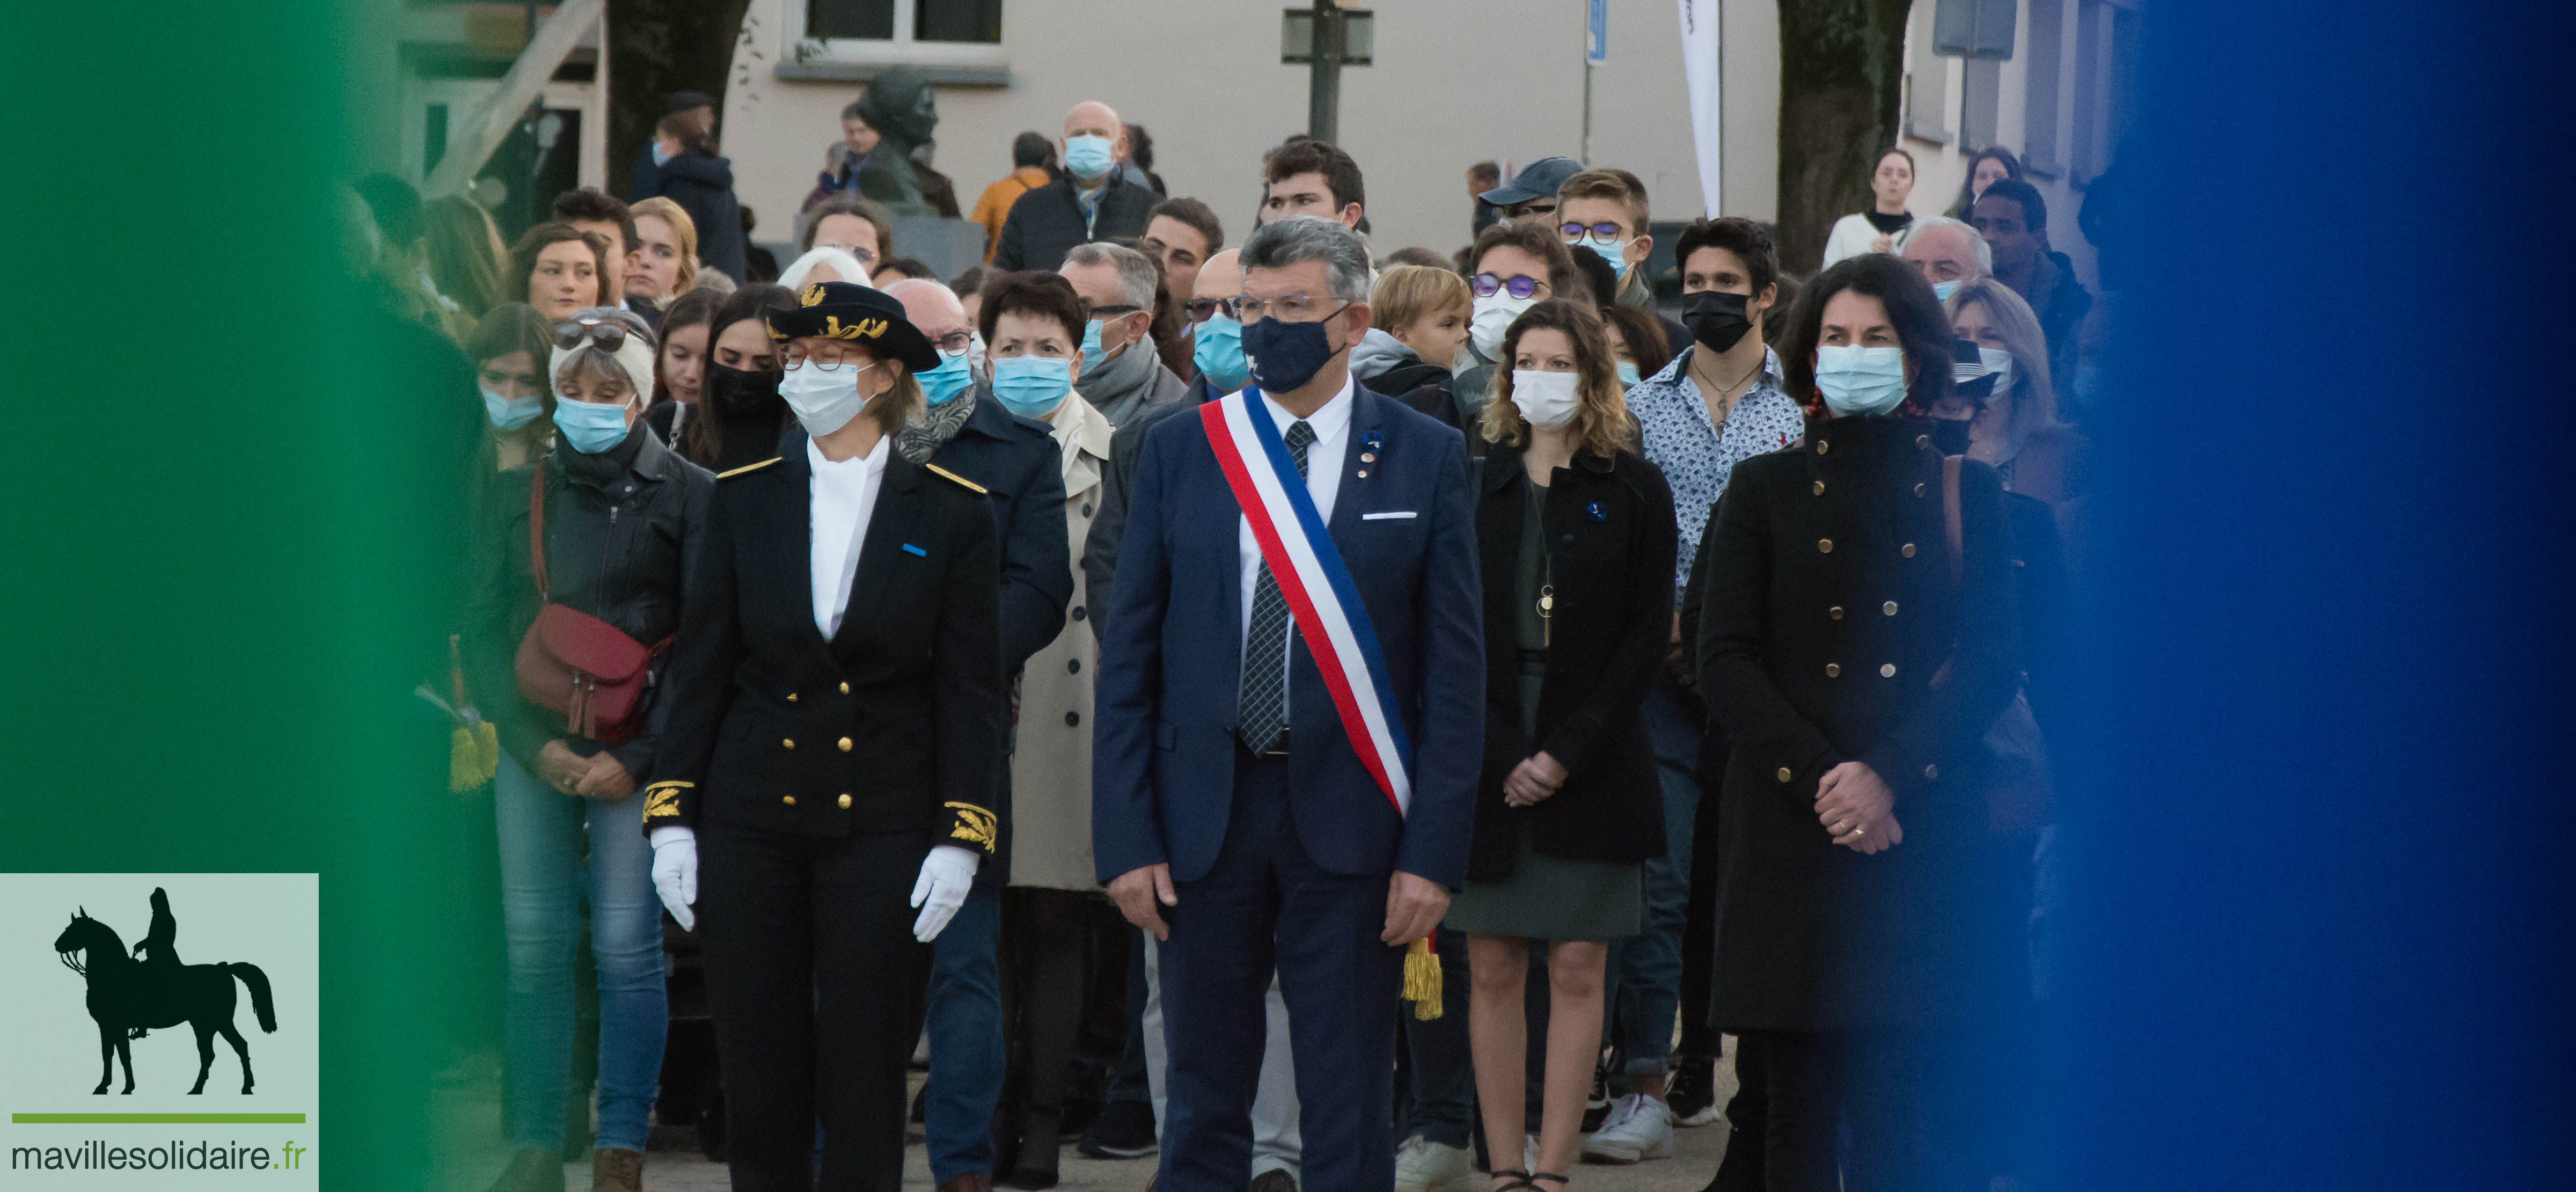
(1833,630)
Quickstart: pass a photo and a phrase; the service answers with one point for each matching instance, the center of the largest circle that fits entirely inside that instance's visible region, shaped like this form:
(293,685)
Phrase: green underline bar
(156,1119)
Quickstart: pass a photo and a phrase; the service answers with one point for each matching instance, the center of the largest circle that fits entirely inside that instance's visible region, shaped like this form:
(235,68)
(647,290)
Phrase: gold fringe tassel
(473,754)
(1422,980)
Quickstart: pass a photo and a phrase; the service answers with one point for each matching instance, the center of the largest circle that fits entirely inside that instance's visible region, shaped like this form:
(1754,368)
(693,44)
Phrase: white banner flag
(1699,63)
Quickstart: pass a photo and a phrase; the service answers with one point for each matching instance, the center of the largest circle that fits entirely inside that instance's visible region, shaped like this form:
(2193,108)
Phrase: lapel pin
(1368,457)
(1595,512)
(1373,440)
(910,549)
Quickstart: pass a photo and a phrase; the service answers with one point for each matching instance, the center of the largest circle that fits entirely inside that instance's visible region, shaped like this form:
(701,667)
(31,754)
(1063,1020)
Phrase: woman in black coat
(838,723)
(1577,538)
(702,184)
(1856,642)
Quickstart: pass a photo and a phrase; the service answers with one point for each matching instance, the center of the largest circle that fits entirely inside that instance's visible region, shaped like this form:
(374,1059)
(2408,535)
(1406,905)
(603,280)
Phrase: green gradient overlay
(227,537)
(156,1119)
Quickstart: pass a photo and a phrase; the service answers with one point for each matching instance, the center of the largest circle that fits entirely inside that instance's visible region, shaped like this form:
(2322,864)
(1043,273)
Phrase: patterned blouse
(1696,456)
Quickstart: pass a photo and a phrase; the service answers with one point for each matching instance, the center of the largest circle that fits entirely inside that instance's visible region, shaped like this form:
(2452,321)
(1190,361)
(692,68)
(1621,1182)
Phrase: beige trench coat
(1051,765)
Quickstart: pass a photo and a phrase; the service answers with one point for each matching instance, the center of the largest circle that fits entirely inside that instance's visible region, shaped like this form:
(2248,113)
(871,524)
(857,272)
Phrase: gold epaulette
(730,474)
(971,486)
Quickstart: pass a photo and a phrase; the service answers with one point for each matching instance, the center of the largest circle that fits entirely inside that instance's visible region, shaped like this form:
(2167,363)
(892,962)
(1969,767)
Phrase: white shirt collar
(1327,421)
(857,465)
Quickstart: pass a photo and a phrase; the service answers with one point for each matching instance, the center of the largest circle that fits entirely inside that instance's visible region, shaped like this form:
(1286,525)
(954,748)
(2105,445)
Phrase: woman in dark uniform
(1856,642)
(1576,532)
(834,744)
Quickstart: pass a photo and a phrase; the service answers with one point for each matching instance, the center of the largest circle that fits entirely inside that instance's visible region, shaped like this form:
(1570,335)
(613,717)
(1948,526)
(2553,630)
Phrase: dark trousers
(1265,905)
(1911,1129)
(816,986)
(1044,939)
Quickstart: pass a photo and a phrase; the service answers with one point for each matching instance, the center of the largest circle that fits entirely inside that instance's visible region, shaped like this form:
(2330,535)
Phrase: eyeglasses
(1485,285)
(1574,232)
(1287,308)
(1106,313)
(865,257)
(1203,309)
(955,343)
(609,335)
(827,358)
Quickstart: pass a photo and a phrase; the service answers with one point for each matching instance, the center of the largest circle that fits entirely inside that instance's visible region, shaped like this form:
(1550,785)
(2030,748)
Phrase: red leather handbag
(575,663)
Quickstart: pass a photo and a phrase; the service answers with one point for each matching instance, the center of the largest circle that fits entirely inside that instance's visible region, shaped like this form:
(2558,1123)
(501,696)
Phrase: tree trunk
(656,47)
(1842,72)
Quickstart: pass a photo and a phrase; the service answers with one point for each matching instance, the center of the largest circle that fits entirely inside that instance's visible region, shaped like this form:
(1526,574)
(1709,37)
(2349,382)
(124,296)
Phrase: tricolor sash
(1321,597)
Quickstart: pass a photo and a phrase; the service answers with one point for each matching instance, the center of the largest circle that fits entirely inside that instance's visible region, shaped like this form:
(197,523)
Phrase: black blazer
(894,725)
(1610,537)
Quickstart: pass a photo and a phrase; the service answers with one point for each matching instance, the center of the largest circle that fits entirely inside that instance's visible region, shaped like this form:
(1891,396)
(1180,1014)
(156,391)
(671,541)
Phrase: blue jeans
(1645,974)
(966,1068)
(543,883)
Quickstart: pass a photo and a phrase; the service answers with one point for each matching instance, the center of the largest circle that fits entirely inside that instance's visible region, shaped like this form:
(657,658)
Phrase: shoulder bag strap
(537,527)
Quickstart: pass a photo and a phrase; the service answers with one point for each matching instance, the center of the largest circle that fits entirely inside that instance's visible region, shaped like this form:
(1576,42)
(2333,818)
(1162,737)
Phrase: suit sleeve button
(789,800)
(845,744)
(845,802)
(1784,774)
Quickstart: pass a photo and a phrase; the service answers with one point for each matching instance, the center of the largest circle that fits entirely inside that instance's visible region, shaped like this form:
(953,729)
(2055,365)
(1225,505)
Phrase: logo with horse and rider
(146,966)
(130,997)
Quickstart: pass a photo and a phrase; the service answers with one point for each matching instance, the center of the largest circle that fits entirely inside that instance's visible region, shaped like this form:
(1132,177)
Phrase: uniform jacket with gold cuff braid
(895,724)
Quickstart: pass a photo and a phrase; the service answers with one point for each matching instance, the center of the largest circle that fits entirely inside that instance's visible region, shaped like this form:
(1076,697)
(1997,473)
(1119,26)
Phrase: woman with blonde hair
(1577,536)
(665,262)
(468,260)
(2009,424)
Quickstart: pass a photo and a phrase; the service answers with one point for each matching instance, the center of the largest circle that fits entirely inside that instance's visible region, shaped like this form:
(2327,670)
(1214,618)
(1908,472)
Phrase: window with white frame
(2105,76)
(1927,84)
(2041,102)
(959,39)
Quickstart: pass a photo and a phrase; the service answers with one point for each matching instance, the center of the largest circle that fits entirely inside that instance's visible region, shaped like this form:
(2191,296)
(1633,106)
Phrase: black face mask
(1717,318)
(741,393)
(1950,435)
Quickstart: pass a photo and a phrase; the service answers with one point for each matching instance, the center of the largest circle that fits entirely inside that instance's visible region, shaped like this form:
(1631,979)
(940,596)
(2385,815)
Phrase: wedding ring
(1860,831)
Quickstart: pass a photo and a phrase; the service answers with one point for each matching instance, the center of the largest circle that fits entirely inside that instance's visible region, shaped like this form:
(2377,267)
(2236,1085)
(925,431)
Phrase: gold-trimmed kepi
(842,310)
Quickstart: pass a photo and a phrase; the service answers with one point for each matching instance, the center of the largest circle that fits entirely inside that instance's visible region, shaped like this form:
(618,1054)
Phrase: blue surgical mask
(1086,156)
(511,413)
(1217,349)
(1613,251)
(1856,380)
(660,154)
(952,377)
(1032,386)
(1943,289)
(1094,356)
(589,426)
(1628,377)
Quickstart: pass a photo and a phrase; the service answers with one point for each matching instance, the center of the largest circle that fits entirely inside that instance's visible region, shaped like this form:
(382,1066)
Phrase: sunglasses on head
(610,336)
(1485,285)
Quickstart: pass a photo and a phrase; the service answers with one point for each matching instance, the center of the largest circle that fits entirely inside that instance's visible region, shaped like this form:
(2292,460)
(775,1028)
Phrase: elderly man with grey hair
(1244,810)
(1948,252)
(1122,376)
(1090,202)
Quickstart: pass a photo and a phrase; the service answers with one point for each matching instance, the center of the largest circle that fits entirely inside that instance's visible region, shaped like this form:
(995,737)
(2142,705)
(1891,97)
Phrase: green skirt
(1552,898)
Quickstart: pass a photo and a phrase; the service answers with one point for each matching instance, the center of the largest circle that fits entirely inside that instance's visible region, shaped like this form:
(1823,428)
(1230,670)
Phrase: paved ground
(1696,1153)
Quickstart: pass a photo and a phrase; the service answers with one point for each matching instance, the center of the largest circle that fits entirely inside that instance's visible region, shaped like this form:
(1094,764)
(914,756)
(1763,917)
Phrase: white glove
(946,875)
(675,871)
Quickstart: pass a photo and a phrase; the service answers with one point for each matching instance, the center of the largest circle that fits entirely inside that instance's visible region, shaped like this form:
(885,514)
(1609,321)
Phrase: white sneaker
(1638,1128)
(1422,1165)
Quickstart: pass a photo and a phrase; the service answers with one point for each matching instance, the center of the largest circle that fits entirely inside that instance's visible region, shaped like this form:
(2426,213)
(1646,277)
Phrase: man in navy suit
(1231,815)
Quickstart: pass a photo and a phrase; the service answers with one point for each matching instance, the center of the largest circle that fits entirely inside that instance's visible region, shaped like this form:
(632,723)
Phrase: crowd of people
(957,667)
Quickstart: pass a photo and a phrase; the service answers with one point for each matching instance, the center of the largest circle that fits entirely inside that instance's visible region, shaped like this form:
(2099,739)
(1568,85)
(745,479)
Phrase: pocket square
(1391,516)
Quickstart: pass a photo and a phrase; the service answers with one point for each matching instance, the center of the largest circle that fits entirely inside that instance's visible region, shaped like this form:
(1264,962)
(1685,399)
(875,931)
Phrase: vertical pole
(1324,91)
(1587,113)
